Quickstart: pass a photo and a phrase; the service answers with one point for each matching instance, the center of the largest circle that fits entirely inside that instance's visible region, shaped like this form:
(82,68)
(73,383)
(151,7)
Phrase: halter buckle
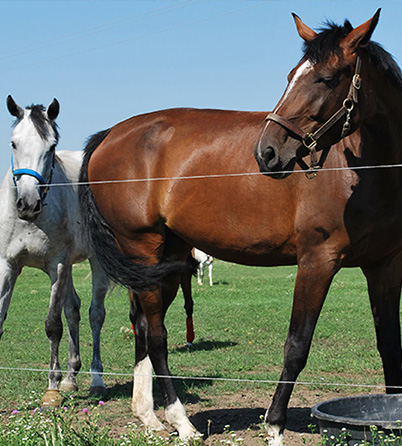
(357,81)
(312,172)
(348,104)
(309,141)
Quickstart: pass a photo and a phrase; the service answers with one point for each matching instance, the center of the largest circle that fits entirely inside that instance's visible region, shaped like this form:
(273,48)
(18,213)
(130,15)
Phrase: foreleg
(8,277)
(53,323)
(314,277)
(384,284)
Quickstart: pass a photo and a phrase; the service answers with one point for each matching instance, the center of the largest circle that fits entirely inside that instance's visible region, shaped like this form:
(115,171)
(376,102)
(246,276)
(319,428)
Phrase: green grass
(240,325)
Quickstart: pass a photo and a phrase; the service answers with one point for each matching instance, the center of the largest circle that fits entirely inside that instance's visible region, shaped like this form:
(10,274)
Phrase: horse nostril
(20,205)
(38,207)
(270,157)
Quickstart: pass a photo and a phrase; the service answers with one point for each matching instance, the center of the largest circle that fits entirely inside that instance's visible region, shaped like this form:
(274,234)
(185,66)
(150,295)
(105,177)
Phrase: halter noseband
(19,172)
(310,140)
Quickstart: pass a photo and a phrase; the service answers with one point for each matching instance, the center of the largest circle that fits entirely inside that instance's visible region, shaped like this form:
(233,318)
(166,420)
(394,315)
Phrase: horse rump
(128,271)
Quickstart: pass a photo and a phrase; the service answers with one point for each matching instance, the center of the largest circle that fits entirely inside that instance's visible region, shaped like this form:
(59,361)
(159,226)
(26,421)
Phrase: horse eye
(331,81)
(12,144)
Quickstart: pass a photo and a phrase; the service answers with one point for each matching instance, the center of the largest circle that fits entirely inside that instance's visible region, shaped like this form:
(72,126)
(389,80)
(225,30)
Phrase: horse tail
(119,267)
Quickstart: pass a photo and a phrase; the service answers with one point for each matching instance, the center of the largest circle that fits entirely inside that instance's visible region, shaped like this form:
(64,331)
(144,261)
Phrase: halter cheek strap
(310,140)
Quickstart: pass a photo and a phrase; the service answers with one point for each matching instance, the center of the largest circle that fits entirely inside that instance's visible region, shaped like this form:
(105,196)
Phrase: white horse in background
(203,261)
(41,227)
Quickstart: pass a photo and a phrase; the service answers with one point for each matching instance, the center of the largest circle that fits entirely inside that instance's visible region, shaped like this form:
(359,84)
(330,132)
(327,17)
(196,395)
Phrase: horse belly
(235,231)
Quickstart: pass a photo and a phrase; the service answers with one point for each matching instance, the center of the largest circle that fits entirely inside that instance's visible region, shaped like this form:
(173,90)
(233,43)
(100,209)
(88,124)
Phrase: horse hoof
(67,386)
(51,398)
(98,390)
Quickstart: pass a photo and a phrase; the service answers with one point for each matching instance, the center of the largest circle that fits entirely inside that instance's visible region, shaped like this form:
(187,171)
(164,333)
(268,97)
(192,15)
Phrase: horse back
(194,171)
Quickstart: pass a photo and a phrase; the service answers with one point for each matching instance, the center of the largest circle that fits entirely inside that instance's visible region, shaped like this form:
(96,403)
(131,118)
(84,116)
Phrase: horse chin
(281,171)
(28,216)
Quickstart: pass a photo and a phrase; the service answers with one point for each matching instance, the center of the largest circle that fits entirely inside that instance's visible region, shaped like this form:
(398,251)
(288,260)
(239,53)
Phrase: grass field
(240,325)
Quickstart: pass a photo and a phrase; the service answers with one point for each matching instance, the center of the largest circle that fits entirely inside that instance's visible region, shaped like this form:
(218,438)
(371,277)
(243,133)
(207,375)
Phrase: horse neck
(380,127)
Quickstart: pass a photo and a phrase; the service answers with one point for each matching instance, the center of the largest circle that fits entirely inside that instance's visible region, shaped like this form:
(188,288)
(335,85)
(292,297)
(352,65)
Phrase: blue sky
(108,60)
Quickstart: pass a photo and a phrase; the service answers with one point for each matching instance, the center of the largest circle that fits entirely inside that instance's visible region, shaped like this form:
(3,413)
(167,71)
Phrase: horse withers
(344,217)
(42,228)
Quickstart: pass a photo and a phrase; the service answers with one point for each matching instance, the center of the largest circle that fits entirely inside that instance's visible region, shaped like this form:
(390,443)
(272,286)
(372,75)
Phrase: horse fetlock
(176,417)
(98,390)
(274,435)
(69,384)
(148,419)
(97,384)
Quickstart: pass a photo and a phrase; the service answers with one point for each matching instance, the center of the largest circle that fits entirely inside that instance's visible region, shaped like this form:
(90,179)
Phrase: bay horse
(149,181)
(42,228)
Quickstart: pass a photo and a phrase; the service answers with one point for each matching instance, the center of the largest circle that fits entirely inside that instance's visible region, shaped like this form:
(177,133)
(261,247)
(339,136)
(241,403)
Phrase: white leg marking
(143,403)
(176,417)
(275,438)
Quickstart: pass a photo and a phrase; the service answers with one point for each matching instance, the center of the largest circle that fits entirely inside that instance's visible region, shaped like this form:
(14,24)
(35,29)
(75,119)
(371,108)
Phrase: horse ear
(362,34)
(306,33)
(53,110)
(348,26)
(14,108)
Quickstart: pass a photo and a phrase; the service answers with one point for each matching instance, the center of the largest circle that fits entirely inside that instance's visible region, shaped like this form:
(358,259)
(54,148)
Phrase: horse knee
(54,328)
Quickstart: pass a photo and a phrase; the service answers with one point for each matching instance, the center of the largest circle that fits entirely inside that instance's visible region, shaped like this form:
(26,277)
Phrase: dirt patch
(239,414)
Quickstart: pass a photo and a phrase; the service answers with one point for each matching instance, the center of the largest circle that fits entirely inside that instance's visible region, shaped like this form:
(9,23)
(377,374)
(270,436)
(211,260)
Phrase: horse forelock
(327,44)
(37,115)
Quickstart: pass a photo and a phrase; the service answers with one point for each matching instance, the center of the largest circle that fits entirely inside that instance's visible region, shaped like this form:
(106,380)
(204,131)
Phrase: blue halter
(18,172)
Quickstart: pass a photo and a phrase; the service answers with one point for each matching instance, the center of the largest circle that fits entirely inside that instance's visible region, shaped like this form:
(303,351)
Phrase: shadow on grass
(216,421)
(203,345)
(187,390)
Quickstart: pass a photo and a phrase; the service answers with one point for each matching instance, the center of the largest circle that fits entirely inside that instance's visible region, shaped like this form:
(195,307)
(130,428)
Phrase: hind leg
(100,285)
(72,307)
(185,284)
(151,336)
(142,403)
(210,267)
(157,347)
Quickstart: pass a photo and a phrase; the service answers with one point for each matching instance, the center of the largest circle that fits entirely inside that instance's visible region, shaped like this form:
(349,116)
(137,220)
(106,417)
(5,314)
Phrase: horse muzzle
(271,163)
(28,211)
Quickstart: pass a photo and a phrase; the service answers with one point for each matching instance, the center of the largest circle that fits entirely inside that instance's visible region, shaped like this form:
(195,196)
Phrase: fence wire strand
(210,378)
(223,175)
(213,176)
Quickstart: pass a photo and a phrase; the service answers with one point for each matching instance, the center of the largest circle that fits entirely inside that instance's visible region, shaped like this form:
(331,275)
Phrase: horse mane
(326,44)
(39,120)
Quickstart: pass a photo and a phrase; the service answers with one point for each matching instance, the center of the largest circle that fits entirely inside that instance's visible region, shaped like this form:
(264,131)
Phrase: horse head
(33,142)
(323,102)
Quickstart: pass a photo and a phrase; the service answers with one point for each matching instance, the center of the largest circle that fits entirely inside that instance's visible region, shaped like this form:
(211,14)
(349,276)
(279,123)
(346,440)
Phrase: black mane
(39,120)
(327,43)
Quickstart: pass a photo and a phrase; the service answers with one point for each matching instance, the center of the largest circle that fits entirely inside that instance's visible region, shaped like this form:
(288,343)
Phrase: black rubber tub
(351,418)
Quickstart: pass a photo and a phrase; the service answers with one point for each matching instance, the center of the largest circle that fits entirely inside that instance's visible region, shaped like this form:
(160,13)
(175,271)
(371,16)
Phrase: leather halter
(310,140)
(19,172)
